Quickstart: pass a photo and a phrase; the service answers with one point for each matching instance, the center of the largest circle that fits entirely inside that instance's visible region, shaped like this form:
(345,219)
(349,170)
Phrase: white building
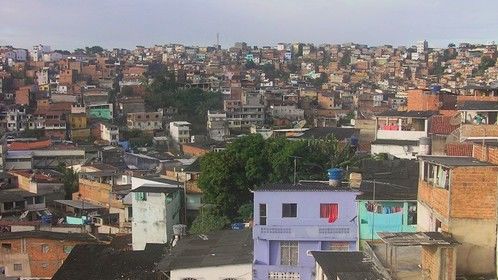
(422,46)
(221,255)
(21,54)
(217,126)
(291,113)
(109,132)
(42,76)
(155,209)
(16,119)
(399,134)
(180,131)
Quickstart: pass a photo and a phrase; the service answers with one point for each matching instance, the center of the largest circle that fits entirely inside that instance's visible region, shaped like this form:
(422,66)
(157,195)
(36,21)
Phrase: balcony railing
(323,232)
(400,134)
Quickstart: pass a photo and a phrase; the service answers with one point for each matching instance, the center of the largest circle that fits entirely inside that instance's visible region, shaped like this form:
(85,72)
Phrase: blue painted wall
(385,221)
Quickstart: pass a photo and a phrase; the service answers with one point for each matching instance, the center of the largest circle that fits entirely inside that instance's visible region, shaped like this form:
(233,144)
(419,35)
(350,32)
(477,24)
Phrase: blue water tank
(435,88)
(238,226)
(335,174)
(353,141)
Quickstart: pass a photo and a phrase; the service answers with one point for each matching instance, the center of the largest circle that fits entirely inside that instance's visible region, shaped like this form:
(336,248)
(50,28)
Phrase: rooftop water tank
(335,176)
(424,146)
(435,88)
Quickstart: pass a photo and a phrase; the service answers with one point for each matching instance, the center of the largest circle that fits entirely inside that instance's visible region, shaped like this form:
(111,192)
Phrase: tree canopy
(192,104)
(228,176)
(486,63)
(69,179)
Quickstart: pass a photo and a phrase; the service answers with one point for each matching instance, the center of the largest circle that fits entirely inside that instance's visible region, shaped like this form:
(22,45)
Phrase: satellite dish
(300,124)
(456,120)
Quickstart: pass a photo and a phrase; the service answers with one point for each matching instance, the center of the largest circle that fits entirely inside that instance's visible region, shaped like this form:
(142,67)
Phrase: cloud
(126,23)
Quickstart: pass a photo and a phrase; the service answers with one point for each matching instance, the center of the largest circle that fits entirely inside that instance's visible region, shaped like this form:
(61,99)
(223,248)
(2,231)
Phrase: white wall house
(180,131)
(155,208)
(399,134)
(239,272)
(109,133)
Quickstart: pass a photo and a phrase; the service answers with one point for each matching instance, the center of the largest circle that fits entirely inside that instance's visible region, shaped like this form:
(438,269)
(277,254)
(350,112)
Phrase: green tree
(66,52)
(245,212)
(227,177)
(345,59)
(94,50)
(486,63)
(208,221)
(251,65)
(69,179)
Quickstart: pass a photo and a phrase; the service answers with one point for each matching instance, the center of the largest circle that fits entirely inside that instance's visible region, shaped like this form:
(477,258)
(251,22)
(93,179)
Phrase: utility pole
(373,212)
(295,168)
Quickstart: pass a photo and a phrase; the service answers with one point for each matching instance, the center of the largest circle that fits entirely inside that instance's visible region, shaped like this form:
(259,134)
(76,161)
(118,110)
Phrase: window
(329,211)
(141,196)
(39,199)
(130,212)
(8,205)
(262,214)
(412,213)
(17,267)
(289,253)
(6,247)
(67,249)
(339,246)
(428,172)
(44,248)
(289,210)
(442,177)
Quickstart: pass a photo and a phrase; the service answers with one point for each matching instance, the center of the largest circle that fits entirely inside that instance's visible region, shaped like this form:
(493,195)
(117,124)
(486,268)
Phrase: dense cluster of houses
(83,198)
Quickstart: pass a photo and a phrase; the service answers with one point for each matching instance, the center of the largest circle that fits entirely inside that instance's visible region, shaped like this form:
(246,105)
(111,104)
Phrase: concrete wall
(153,219)
(383,222)
(476,254)
(239,272)
(397,151)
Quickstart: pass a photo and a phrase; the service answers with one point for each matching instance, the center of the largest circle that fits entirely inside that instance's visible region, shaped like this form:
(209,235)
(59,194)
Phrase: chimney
(335,176)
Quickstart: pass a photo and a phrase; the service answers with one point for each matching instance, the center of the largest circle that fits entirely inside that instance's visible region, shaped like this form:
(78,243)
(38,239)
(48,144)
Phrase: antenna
(217,40)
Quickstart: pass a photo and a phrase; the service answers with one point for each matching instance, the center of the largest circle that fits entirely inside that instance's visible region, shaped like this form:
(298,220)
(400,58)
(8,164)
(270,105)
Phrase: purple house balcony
(292,220)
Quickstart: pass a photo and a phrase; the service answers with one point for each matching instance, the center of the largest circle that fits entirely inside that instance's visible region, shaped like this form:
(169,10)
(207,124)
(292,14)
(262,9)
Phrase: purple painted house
(290,221)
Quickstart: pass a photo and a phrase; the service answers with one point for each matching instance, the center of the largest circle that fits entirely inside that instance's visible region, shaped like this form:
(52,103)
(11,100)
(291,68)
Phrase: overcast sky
(68,24)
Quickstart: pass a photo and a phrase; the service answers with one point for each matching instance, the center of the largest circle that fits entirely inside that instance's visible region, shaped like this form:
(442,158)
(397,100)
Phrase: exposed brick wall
(46,264)
(430,263)
(490,153)
(471,130)
(97,192)
(419,100)
(459,149)
(473,192)
(22,96)
(42,264)
(193,150)
(463,98)
(432,260)
(437,198)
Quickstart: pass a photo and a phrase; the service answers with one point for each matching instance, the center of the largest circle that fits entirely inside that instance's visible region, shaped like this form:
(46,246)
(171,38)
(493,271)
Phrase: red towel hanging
(333,212)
